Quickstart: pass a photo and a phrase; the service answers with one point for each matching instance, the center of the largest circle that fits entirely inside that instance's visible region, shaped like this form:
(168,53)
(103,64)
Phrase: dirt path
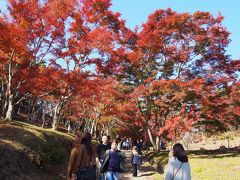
(147,172)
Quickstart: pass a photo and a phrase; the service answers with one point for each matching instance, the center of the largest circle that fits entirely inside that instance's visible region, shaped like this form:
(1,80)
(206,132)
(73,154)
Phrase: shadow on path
(147,174)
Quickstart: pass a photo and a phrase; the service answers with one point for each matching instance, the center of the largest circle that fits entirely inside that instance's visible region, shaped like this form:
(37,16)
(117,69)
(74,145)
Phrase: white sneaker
(138,172)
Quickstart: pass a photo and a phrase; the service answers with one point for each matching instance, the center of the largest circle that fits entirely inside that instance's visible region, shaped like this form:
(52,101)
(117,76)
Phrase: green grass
(224,168)
(205,165)
(29,151)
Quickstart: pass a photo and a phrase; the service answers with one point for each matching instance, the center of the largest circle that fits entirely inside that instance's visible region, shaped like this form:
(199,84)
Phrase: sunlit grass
(40,141)
(205,166)
(224,168)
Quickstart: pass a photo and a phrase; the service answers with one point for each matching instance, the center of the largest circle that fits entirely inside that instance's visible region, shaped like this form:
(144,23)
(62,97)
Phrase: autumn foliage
(78,64)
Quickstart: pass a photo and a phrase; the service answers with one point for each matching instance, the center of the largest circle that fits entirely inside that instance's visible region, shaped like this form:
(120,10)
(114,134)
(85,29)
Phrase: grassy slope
(206,165)
(31,152)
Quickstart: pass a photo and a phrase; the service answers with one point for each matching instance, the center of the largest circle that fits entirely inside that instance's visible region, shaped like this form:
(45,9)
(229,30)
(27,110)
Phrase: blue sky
(135,12)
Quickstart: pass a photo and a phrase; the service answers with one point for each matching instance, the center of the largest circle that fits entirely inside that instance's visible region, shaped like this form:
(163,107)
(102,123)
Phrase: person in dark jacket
(101,150)
(113,163)
(135,160)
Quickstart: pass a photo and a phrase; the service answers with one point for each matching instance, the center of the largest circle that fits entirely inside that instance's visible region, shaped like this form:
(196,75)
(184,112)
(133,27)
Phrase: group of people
(106,161)
(110,160)
(128,144)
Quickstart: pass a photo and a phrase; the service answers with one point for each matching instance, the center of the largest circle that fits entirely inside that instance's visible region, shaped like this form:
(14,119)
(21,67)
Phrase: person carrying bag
(175,173)
(85,163)
(178,165)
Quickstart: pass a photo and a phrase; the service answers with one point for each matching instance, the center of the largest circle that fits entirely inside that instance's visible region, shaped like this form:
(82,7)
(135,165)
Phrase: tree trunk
(92,127)
(102,132)
(30,107)
(2,96)
(69,127)
(9,114)
(95,130)
(4,102)
(43,119)
(151,138)
(88,125)
(57,111)
(34,115)
(19,109)
(107,132)
(4,109)
(158,143)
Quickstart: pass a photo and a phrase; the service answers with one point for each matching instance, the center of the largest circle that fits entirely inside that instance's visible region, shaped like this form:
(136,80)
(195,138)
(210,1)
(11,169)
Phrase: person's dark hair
(114,141)
(77,140)
(109,140)
(86,140)
(180,153)
(118,140)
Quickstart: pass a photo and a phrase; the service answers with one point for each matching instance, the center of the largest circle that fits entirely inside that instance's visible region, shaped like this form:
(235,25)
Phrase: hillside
(31,152)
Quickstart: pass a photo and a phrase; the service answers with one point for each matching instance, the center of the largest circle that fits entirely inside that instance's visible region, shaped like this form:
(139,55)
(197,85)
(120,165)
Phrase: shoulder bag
(174,174)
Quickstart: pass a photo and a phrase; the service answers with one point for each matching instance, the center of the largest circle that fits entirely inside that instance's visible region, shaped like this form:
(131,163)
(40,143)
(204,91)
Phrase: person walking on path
(101,150)
(83,160)
(118,141)
(178,165)
(113,163)
(135,160)
(139,146)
